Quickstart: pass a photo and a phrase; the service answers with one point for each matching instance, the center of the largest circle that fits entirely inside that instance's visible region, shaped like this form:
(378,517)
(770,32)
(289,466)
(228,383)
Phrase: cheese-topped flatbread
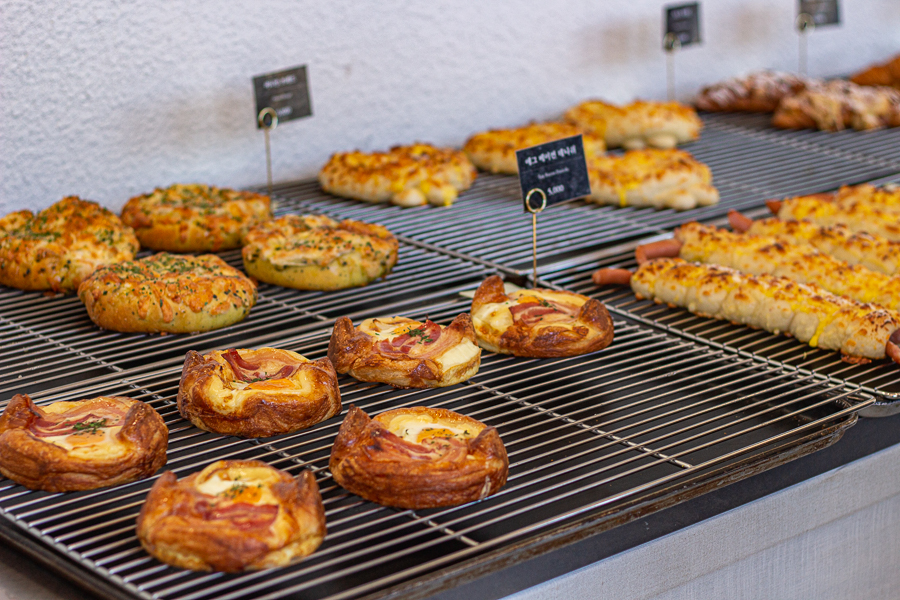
(495,150)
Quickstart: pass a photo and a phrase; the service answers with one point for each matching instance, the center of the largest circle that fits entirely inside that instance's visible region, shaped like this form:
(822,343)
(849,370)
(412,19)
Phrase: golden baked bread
(314,252)
(257,393)
(405,175)
(756,92)
(495,150)
(639,124)
(234,515)
(418,457)
(538,323)
(837,105)
(167,292)
(406,353)
(195,217)
(657,178)
(881,74)
(60,246)
(83,445)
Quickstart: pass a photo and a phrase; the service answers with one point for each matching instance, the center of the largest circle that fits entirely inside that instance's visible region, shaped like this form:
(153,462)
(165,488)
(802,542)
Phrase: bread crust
(837,105)
(132,448)
(168,293)
(639,124)
(756,92)
(60,246)
(187,528)
(371,461)
(884,74)
(314,252)
(195,217)
(213,396)
(411,361)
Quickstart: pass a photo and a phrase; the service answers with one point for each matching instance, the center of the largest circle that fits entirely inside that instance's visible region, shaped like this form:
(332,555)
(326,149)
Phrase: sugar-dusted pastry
(234,515)
(60,246)
(495,150)
(651,177)
(757,92)
(837,105)
(257,393)
(418,457)
(314,252)
(83,445)
(639,124)
(167,292)
(195,217)
(406,353)
(405,175)
(537,322)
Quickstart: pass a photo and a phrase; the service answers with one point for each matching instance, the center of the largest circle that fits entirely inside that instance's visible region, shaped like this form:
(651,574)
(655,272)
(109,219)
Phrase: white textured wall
(110,99)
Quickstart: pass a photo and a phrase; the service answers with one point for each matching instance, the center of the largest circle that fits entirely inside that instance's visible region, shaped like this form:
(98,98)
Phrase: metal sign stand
(805,24)
(266,127)
(534,213)
(671,44)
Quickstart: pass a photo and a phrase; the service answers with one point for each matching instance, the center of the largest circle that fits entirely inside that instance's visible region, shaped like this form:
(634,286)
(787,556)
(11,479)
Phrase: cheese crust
(83,445)
(861,208)
(538,323)
(639,124)
(257,393)
(195,217)
(495,150)
(405,175)
(234,515)
(651,177)
(406,353)
(314,252)
(418,457)
(167,292)
(836,105)
(60,246)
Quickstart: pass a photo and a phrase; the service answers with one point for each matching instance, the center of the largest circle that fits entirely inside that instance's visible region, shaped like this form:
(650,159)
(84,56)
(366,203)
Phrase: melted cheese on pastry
(416,428)
(498,315)
(394,327)
(250,485)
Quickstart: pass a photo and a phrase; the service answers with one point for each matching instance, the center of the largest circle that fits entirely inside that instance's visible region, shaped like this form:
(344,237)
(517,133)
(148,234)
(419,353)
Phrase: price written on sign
(682,23)
(556,168)
(823,12)
(286,92)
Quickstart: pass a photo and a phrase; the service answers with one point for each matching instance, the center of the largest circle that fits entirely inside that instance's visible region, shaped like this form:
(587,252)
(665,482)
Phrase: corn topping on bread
(639,124)
(862,208)
(195,217)
(651,177)
(756,92)
(405,175)
(837,105)
(60,246)
(495,150)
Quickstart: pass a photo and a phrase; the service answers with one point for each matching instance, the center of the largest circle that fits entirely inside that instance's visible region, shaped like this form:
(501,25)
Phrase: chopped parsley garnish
(423,336)
(89,427)
(234,491)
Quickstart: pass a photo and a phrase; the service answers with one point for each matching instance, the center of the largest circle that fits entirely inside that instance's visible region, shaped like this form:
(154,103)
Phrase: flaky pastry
(837,105)
(315,252)
(756,92)
(538,323)
(887,73)
(639,124)
(495,150)
(406,353)
(83,445)
(234,515)
(418,457)
(257,393)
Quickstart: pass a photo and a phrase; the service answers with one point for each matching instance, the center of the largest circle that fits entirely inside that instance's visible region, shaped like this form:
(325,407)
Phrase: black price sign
(823,12)
(285,92)
(682,24)
(557,169)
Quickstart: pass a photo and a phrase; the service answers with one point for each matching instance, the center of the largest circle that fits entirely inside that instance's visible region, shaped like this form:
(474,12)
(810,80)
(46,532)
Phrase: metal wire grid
(584,434)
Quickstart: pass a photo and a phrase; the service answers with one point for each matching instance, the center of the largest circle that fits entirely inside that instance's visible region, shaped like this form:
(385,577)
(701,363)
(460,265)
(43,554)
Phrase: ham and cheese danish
(756,92)
(639,124)
(538,323)
(862,332)
(83,445)
(418,457)
(836,105)
(406,353)
(234,515)
(257,393)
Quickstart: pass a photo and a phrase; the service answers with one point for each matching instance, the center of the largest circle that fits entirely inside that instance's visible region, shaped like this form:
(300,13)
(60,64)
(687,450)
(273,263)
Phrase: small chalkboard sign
(286,92)
(823,12)
(558,169)
(682,24)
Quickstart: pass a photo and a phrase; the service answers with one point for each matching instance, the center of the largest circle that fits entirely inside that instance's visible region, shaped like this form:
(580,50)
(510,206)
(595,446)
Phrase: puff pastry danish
(639,124)
(495,150)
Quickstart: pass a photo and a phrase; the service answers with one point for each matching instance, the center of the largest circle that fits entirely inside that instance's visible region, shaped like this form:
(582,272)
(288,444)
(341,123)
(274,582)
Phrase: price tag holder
(681,28)
(549,174)
(821,12)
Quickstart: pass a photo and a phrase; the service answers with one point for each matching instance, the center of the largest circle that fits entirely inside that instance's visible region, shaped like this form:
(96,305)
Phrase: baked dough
(538,323)
(406,353)
(639,124)
(882,74)
(61,245)
(195,217)
(167,292)
(234,515)
(756,92)
(83,445)
(257,393)
(657,178)
(314,252)
(495,150)
(418,457)
(405,175)
(837,105)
